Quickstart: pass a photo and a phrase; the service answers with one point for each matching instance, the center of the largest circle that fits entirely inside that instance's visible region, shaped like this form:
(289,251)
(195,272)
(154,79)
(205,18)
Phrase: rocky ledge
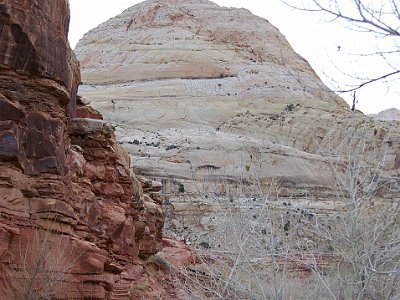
(75,221)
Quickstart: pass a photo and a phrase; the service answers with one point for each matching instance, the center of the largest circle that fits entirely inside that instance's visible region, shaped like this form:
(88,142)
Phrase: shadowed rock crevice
(24,55)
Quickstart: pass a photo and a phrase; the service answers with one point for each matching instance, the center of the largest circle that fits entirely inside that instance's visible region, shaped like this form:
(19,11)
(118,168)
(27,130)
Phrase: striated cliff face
(75,222)
(196,88)
(212,100)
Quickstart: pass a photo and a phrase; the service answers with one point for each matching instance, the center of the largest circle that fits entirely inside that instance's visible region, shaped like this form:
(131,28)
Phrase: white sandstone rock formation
(215,99)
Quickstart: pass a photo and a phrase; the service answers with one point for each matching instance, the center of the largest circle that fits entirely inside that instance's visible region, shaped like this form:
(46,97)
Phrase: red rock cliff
(74,222)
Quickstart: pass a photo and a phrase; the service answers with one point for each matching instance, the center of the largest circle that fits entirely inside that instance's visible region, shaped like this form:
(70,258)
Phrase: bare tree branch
(369,82)
(365,18)
(379,19)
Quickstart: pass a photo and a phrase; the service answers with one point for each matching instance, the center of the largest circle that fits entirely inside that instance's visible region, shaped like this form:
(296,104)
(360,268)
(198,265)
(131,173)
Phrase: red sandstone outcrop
(74,220)
(84,110)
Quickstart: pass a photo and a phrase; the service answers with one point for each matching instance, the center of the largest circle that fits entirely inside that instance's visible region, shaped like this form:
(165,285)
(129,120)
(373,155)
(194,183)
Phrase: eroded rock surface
(74,219)
(214,102)
(391,114)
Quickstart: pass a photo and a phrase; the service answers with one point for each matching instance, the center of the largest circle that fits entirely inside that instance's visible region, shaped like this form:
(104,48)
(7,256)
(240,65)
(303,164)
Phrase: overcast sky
(310,36)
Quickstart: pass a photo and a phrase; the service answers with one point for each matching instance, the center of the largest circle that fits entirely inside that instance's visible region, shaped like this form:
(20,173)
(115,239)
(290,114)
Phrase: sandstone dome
(203,93)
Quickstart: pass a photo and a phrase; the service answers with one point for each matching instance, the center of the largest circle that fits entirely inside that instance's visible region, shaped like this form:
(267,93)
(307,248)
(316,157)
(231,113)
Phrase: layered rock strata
(74,220)
(213,102)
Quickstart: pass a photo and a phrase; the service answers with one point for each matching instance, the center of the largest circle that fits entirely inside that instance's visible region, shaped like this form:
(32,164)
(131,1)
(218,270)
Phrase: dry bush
(365,232)
(263,248)
(42,267)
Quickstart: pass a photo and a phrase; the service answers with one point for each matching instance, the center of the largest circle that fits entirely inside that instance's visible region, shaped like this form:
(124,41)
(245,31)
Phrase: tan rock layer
(212,100)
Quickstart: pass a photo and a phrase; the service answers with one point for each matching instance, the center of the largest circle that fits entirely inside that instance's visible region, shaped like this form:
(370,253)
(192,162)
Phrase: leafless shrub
(42,267)
(265,248)
(365,232)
